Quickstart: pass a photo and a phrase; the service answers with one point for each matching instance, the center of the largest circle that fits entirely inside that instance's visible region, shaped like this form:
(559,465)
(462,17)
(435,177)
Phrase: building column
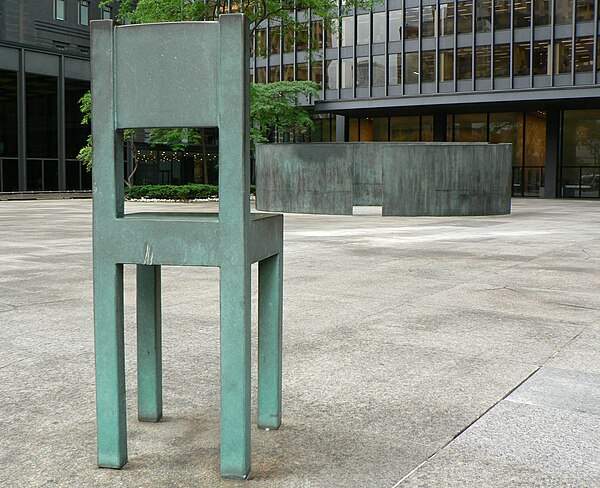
(22,121)
(552,154)
(62,182)
(439,126)
(340,128)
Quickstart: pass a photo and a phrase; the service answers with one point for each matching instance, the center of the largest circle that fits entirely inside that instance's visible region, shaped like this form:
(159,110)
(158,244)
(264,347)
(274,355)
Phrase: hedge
(173,192)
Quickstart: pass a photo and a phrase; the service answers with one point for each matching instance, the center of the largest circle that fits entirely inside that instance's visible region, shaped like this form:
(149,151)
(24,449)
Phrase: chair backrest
(176,74)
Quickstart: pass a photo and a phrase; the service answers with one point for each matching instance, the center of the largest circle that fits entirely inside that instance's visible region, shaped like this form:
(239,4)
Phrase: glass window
(541,54)
(75,132)
(563,12)
(331,75)
(483,62)
(464,24)
(562,56)
(362,72)
(541,12)
(428,21)
(353,130)
(273,74)
(521,59)
(427,128)
(584,10)
(363,26)
(261,75)
(412,67)
(275,40)
(59,9)
(446,19)
(331,36)
(288,72)
(522,16)
(483,10)
(501,60)
(261,42)
(447,65)
(508,128)
(464,63)
(302,72)
(347,73)
(316,34)
(288,40)
(470,127)
(584,53)
(378,27)
(535,138)
(366,129)
(302,38)
(502,14)
(395,25)
(395,67)
(347,31)
(8,114)
(427,66)
(380,129)
(84,12)
(411,23)
(405,129)
(42,116)
(105,13)
(316,73)
(378,70)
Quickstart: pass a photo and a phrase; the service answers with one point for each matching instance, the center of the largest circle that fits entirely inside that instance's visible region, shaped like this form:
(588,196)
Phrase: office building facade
(518,71)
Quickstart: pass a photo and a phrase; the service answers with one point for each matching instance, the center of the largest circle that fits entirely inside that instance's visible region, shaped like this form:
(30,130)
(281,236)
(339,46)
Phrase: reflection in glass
(584,53)
(483,62)
(302,72)
(521,59)
(427,66)
(522,16)
(446,65)
(288,40)
(347,73)
(501,60)
(428,20)
(331,74)
(446,19)
(363,26)
(316,34)
(288,72)
(273,74)
(395,25)
(412,67)
(562,56)
(507,127)
(347,31)
(584,10)
(261,42)
(411,23)
(470,127)
(378,70)
(483,10)
(380,129)
(362,72)
(427,128)
(365,129)
(353,130)
(541,53)
(331,36)
(405,129)
(275,40)
(316,74)
(464,22)
(502,14)
(541,12)
(261,75)
(395,67)
(563,12)
(378,27)
(464,63)
(302,38)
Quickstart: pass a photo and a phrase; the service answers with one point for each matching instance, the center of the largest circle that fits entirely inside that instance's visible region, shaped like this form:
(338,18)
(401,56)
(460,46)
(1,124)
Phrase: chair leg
(270,288)
(110,365)
(149,354)
(235,370)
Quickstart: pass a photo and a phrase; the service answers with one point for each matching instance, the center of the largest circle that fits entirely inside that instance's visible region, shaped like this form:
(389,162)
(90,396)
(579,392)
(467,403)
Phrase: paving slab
(403,341)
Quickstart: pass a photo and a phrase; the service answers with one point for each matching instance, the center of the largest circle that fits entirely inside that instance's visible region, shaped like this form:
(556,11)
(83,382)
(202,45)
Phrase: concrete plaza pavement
(418,352)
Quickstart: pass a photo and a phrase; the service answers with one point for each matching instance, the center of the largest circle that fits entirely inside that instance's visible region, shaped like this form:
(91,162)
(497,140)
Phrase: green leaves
(276,106)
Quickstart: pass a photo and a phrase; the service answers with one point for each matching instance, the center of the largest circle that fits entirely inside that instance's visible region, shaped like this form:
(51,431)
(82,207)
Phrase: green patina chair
(189,74)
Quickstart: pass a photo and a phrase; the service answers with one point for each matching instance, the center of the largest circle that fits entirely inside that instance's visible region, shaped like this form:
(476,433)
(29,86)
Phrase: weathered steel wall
(405,178)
